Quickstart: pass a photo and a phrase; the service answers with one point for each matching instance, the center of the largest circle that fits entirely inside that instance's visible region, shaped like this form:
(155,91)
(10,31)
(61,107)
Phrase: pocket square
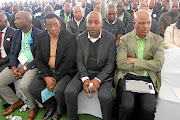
(8,39)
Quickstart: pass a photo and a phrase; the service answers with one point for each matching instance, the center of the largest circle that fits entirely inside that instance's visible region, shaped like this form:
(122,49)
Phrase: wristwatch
(25,68)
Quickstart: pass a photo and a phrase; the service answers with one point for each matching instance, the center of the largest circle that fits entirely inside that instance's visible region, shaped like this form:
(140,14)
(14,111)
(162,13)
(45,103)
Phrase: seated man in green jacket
(140,57)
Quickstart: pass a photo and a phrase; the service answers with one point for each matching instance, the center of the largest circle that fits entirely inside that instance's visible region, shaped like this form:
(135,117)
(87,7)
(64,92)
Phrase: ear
(101,23)
(134,24)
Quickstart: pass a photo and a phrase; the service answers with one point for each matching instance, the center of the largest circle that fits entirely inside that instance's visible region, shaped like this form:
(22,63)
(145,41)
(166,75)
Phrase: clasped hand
(50,83)
(95,86)
(18,72)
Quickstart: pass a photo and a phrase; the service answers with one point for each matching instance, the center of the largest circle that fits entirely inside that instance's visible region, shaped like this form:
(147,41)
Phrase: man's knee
(148,108)
(70,94)
(59,92)
(105,98)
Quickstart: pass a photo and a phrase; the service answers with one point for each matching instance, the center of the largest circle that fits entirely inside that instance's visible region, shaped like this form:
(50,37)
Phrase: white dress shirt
(3,53)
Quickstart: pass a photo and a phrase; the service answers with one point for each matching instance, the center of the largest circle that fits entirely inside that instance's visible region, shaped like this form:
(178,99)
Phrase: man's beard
(22,27)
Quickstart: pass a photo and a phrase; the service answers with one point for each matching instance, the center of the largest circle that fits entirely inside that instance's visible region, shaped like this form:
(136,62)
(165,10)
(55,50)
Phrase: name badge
(22,59)
(154,15)
(8,39)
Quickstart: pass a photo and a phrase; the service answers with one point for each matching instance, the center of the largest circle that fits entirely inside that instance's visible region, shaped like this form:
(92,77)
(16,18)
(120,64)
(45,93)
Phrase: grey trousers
(7,77)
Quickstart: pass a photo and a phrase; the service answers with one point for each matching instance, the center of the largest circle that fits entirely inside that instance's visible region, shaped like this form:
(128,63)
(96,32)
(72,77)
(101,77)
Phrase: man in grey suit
(78,24)
(140,57)
(96,56)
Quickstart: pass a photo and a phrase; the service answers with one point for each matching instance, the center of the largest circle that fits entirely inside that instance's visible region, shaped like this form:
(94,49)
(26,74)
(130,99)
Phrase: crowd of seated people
(65,45)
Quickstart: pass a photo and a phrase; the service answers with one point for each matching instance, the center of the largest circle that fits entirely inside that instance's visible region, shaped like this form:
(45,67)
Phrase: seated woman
(172,35)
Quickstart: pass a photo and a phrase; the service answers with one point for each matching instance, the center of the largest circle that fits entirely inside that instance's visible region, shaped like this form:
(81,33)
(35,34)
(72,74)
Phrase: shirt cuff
(84,78)
(98,79)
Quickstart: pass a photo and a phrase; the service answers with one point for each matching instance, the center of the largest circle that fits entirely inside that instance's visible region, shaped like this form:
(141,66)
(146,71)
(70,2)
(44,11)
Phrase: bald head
(3,21)
(26,15)
(142,23)
(95,13)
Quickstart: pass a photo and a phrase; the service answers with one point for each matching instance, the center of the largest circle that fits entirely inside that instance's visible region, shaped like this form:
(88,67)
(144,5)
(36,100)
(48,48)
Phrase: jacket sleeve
(161,25)
(154,64)
(122,63)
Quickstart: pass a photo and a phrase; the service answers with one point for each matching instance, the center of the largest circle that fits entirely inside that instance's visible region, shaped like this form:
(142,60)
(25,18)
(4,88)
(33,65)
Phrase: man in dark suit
(78,24)
(85,9)
(6,34)
(154,24)
(165,6)
(55,59)
(21,64)
(155,12)
(15,9)
(96,56)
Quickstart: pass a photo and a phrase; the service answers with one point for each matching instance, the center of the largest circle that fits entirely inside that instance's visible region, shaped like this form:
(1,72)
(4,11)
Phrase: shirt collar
(78,21)
(93,40)
(28,32)
(137,38)
(115,20)
(4,30)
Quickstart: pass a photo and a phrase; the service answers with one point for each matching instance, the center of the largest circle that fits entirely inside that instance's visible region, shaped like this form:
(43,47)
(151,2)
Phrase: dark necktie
(0,43)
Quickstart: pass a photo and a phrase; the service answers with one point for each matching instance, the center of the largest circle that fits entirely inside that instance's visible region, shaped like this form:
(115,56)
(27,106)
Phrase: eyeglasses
(50,26)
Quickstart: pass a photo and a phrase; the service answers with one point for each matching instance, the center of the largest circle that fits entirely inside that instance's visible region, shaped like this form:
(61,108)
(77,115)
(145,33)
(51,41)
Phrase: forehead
(111,10)
(52,20)
(143,18)
(174,4)
(94,17)
(67,5)
(19,15)
(77,9)
(120,4)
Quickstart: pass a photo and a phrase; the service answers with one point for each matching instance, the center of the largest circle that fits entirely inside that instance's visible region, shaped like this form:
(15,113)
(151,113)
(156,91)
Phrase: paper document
(177,92)
(139,86)
(46,94)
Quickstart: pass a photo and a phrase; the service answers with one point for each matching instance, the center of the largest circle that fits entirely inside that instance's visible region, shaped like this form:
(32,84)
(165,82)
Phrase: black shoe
(56,116)
(5,105)
(49,113)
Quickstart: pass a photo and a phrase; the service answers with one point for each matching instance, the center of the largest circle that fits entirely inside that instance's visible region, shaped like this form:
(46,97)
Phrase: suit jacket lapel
(6,36)
(148,44)
(86,49)
(60,47)
(133,42)
(45,44)
(100,48)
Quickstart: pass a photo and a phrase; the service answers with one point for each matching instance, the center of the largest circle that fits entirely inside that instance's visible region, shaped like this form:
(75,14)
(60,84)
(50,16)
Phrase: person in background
(112,24)
(134,8)
(12,17)
(169,17)
(35,22)
(172,35)
(122,14)
(154,11)
(67,15)
(85,9)
(97,7)
(78,24)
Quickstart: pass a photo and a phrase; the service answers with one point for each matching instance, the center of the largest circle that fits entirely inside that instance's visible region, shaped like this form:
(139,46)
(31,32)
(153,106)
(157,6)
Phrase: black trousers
(76,86)
(135,106)
(58,101)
